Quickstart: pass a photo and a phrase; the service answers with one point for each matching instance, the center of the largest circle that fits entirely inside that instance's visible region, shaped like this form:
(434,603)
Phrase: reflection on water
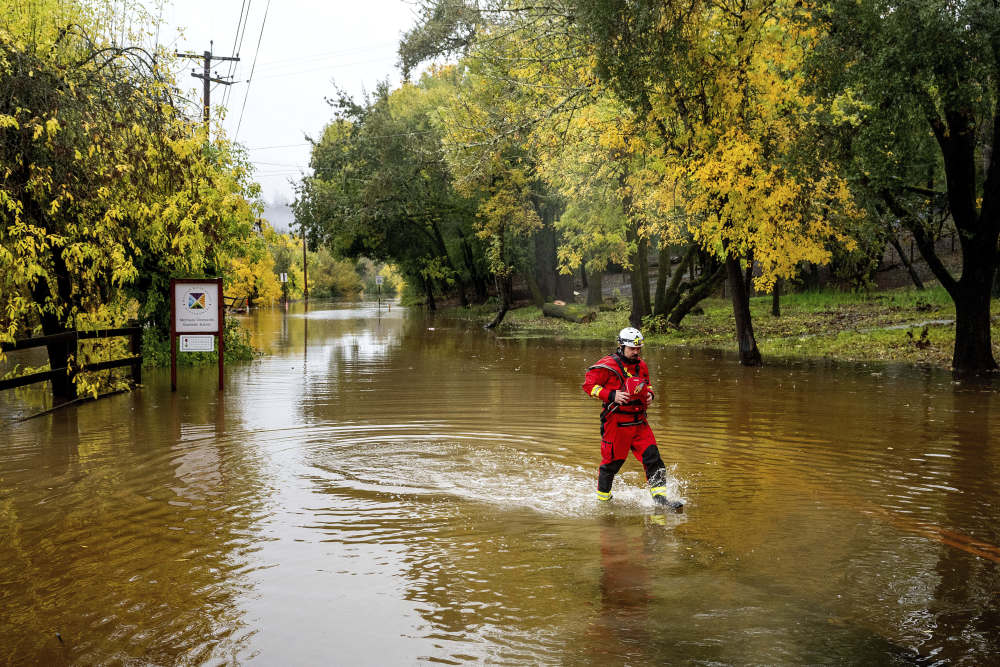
(385,488)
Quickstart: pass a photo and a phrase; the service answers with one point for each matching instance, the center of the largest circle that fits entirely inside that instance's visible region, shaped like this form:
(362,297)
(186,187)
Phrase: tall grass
(826,299)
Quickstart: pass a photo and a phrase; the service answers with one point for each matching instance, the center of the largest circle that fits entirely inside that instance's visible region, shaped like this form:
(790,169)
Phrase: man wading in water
(621,381)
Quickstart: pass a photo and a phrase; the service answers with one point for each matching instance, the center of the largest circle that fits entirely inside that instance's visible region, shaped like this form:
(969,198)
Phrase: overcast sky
(305,47)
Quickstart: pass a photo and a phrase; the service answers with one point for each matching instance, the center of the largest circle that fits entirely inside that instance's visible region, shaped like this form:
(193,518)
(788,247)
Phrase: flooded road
(381,488)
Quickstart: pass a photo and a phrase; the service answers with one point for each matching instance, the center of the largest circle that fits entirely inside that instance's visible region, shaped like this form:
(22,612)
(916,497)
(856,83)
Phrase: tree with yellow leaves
(106,188)
(720,82)
(710,143)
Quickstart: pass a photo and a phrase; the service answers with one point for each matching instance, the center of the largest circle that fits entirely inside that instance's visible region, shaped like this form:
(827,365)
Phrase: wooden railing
(71,338)
(237,304)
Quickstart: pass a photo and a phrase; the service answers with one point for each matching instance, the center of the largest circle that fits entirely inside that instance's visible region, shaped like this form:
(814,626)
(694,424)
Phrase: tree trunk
(776,298)
(749,354)
(640,306)
(662,273)
(537,297)
(571,312)
(545,257)
(564,287)
(595,295)
(478,281)
(672,294)
(647,301)
(971,293)
(443,252)
(505,286)
(907,263)
(429,292)
(639,275)
(973,344)
(748,279)
(699,291)
(63,386)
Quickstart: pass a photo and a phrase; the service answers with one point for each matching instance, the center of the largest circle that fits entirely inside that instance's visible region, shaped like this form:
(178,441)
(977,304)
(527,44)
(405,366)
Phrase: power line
(272,75)
(282,164)
(237,44)
(268,64)
(262,148)
(310,143)
(246,93)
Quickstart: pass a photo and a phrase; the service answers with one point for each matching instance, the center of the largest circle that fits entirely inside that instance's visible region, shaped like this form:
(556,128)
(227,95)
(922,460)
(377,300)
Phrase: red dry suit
(624,427)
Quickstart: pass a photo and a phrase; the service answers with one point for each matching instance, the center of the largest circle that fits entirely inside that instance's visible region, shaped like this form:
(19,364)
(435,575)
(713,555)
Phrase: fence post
(59,352)
(135,347)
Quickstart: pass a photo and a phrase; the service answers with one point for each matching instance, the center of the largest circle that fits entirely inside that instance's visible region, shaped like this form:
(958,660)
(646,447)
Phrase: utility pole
(207,77)
(305,264)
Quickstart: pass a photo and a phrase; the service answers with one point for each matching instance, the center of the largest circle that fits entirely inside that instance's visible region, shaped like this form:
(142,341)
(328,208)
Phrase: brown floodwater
(386,488)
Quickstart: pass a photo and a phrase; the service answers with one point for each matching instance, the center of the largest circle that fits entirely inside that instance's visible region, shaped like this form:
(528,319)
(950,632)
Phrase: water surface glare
(386,488)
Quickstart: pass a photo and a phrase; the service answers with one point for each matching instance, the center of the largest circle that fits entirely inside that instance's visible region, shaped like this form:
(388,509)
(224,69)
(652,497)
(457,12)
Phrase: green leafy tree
(381,189)
(914,102)
(512,92)
(332,277)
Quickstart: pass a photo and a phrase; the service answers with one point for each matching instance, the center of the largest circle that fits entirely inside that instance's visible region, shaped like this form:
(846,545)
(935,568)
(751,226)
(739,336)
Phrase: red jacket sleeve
(594,384)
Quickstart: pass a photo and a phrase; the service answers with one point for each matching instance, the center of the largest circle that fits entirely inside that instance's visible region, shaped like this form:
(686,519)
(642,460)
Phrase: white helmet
(630,336)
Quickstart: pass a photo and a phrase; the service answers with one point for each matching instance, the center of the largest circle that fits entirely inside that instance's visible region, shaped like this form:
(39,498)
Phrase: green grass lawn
(903,325)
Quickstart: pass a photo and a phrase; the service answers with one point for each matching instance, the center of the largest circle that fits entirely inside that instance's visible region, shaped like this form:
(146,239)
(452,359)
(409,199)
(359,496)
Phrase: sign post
(378,281)
(196,317)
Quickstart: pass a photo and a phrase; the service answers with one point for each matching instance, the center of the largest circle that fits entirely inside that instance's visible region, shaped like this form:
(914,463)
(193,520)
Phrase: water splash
(503,476)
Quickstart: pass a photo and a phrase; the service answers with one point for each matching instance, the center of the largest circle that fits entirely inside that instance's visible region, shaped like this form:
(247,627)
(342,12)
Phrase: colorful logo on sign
(197,301)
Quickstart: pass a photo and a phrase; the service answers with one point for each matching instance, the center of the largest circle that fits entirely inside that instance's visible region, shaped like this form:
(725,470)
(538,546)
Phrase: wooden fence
(237,304)
(71,339)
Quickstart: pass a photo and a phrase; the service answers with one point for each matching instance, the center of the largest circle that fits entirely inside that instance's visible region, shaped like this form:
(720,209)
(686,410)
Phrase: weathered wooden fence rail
(237,304)
(70,339)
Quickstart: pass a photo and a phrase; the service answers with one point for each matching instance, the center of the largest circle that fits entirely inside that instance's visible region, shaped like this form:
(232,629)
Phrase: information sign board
(200,343)
(196,307)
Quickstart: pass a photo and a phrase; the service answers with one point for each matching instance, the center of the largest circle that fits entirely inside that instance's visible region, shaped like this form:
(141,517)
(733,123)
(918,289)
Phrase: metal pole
(173,338)
(305,265)
(222,331)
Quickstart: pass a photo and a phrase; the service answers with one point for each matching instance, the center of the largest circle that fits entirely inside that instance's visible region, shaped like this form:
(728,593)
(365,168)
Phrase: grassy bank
(903,325)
